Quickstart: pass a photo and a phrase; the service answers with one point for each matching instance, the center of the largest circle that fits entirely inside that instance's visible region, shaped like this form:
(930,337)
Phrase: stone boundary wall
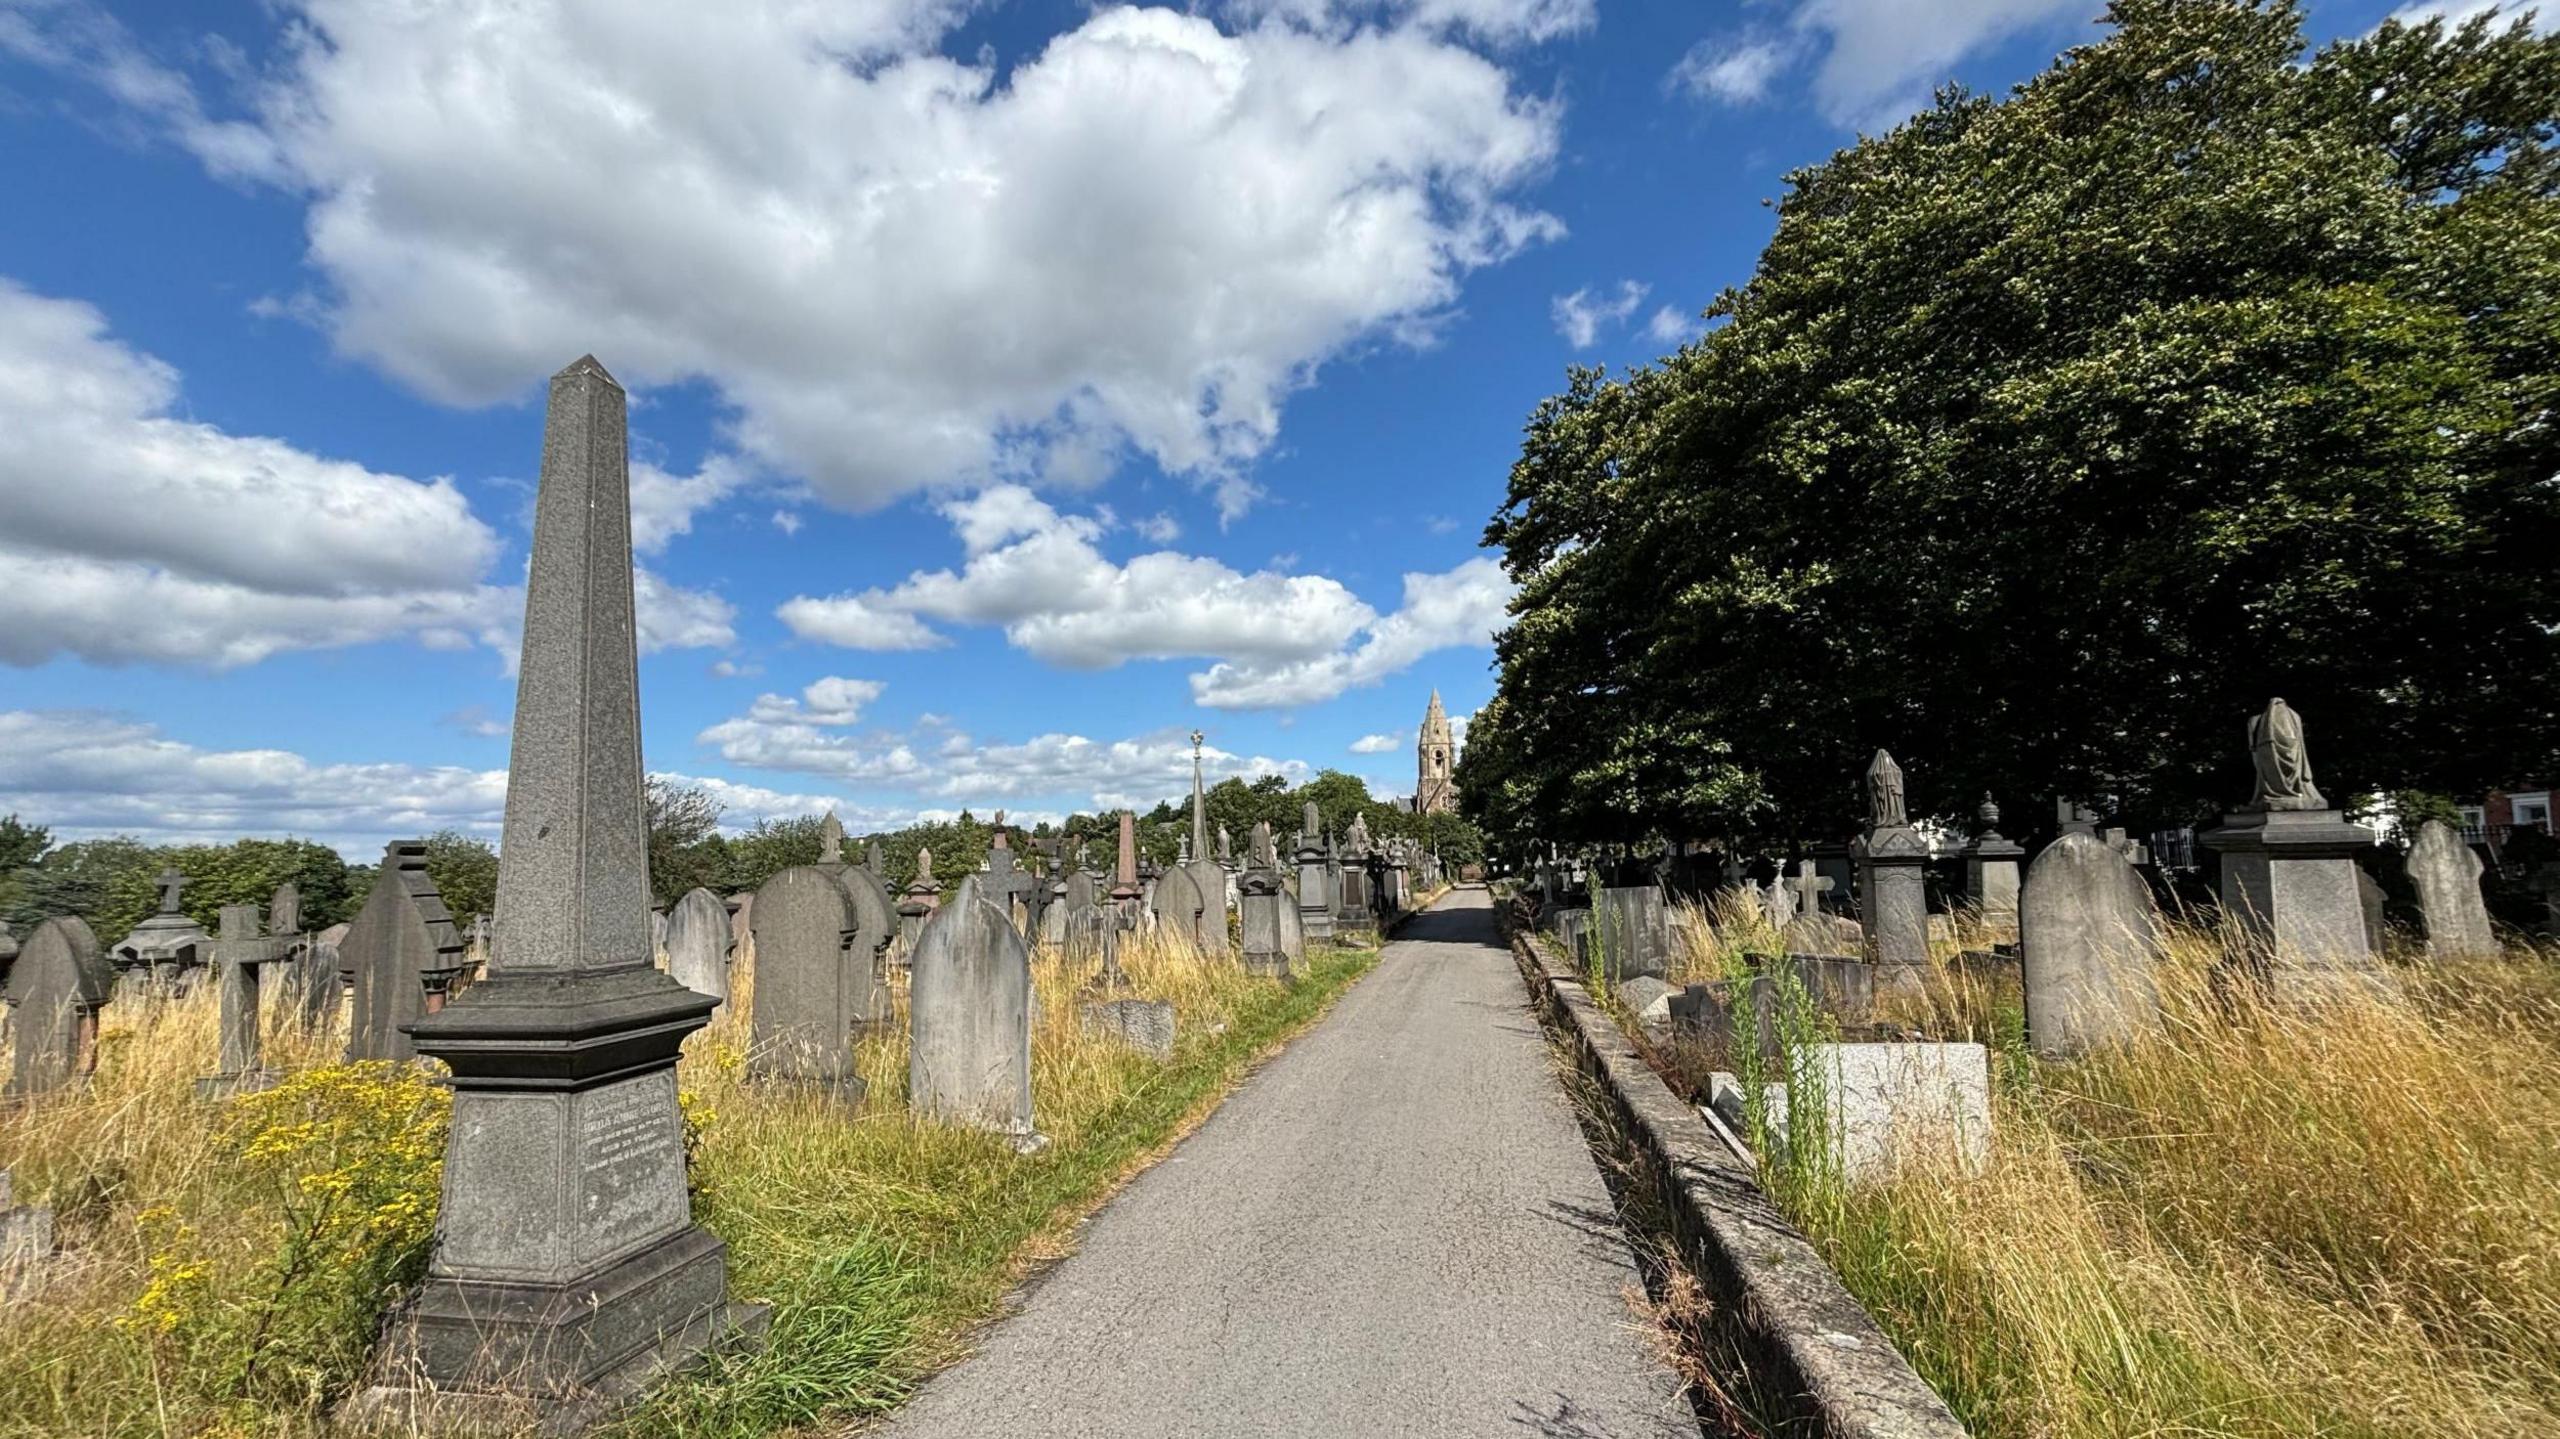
(1806,1340)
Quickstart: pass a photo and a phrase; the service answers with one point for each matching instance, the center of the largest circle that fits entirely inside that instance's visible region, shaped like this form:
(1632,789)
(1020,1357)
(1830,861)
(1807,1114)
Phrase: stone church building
(1435,789)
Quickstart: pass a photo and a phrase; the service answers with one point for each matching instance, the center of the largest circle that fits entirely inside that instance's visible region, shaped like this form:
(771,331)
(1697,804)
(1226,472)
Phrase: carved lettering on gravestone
(631,1174)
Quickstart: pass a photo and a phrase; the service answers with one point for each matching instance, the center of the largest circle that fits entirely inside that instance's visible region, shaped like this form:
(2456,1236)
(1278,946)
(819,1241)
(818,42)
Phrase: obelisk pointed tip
(587,365)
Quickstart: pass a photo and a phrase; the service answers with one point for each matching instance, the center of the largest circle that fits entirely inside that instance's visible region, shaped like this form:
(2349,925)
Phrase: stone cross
(1809,888)
(172,884)
(564,1173)
(240,952)
(1011,889)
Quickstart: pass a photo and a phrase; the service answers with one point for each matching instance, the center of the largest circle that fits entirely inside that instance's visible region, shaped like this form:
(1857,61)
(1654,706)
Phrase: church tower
(1435,790)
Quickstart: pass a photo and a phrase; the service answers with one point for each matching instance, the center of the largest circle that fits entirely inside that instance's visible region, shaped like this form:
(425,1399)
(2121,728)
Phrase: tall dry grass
(2264,1218)
(879,1238)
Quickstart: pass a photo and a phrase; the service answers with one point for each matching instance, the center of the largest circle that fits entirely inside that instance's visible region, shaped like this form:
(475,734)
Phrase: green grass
(225,1264)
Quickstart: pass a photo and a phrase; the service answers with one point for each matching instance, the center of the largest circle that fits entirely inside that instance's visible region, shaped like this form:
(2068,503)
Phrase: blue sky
(1016,386)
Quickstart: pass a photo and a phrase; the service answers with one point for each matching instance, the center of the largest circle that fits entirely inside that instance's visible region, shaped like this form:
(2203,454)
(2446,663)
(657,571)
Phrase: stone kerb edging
(1806,1334)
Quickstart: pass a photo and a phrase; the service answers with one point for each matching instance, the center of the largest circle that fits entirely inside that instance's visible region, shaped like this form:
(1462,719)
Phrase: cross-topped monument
(241,951)
(1009,887)
(1809,888)
(568,1271)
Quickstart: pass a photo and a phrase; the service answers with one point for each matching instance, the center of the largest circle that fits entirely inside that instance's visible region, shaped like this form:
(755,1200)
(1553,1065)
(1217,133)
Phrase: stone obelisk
(568,1272)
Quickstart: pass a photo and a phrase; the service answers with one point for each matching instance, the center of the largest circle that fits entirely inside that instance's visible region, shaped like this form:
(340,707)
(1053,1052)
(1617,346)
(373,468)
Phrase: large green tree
(2054,434)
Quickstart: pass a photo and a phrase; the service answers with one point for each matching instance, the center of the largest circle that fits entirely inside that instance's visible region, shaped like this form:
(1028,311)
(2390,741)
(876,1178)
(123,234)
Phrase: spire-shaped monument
(1199,803)
(1435,787)
(568,1272)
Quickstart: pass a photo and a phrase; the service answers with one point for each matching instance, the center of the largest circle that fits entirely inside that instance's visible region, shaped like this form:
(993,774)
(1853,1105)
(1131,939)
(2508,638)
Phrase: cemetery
(1992,885)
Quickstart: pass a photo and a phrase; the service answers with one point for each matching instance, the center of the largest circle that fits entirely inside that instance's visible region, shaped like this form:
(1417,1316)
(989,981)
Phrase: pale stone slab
(969,1056)
(2446,873)
(58,986)
(1145,1025)
(812,995)
(698,944)
(2088,947)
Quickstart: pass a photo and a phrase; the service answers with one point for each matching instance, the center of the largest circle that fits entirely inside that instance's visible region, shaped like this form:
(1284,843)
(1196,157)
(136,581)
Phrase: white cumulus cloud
(1873,61)
(1377,744)
(1465,606)
(895,269)
(1581,315)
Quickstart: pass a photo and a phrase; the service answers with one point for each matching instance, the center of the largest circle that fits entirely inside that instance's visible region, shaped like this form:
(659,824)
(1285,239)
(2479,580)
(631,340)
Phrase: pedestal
(2289,879)
(568,1271)
(1991,881)
(1891,895)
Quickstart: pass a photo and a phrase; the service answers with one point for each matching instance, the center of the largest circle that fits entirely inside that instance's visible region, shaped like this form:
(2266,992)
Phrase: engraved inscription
(631,1163)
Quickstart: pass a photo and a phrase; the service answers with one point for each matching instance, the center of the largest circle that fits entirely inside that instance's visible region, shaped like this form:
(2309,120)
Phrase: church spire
(1435,789)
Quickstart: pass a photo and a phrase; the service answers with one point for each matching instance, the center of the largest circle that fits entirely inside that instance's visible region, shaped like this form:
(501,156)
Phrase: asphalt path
(1393,1228)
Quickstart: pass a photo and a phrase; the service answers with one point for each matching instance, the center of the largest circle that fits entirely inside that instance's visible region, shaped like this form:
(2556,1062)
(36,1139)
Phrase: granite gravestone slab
(698,945)
(2087,948)
(60,984)
(1630,930)
(396,946)
(1315,892)
(568,1274)
(813,994)
(1991,873)
(2446,874)
(969,1058)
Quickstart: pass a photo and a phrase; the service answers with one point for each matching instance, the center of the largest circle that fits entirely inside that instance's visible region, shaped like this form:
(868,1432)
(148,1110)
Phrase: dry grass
(878,1238)
(2264,1219)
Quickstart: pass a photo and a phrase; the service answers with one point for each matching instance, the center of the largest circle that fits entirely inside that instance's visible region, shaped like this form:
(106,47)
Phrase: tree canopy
(2055,434)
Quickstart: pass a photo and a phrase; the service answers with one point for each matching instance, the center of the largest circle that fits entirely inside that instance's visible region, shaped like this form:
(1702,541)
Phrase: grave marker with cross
(241,950)
(1011,888)
(1809,889)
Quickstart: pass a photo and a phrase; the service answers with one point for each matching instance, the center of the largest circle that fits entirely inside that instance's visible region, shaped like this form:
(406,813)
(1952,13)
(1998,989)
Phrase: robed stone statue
(2283,765)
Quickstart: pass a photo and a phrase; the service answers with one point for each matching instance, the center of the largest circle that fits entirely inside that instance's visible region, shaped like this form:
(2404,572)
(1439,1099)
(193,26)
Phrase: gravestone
(1260,902)
(164,953)
(2289,873)
(241,953)
(1808,888)
(698,945)
(969,1059)
(2446,874)
(1777,904)
(568,1274)
(875,924)
(396,949)
(917,901)
(1009,887)
(1630,930)
(831,840)
(8,957)
(319,988)
(1315,893)
(2087,948)
(1891,896)
(26,1243)
(1179,907)
(1991,873)
(56,989)
(813,994)
(1145,1025)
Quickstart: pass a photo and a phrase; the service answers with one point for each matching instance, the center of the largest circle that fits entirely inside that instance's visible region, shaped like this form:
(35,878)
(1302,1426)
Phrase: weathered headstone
(698,945)
(916,903)
(2289,870)
(831,840)
(1631,930)
(1261,899)
(2088,948)
(969,1058)
(319,986)
(1179,907)
(1991,873)
(1891,895)
(568,1273)
(1145,1025)
(1315,896)
(26,1243)
(56,989)
(241,954)
(2447,876)
(395,950)
(1009,887)
(813,994)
